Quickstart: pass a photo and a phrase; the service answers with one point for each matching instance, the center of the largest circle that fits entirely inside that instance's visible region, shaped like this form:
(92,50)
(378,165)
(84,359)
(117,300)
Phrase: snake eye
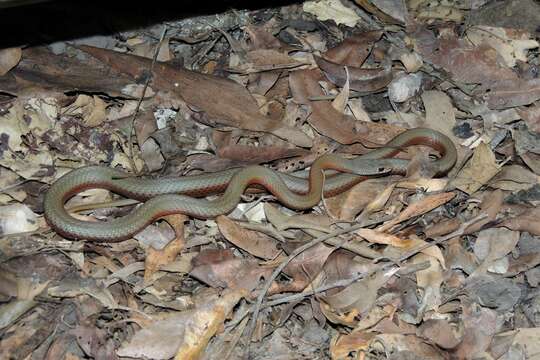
(381,169)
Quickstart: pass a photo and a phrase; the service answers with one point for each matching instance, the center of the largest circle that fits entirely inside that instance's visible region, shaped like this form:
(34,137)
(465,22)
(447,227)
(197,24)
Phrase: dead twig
(139,102)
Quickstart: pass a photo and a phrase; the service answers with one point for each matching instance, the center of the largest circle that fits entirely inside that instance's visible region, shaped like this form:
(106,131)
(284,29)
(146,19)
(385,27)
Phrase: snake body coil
(173,196)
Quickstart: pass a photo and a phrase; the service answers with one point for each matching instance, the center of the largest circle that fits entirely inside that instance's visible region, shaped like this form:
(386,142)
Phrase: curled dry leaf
(9,58)
(308,221)
(328,121)
(526,221)
(91,109)
(357,341)
(377,237)
(493,244)
(359,296)
(439,332)
(254,242)
(370,195)
(220,269)
(430,281)
(185,334)
(490,206)
(306,266)
(479,327)
(411,344)
(354,50)
(361,80)
(393,11)
(17,218)
(332,10)
(419,207)
(478,170)
(157,258)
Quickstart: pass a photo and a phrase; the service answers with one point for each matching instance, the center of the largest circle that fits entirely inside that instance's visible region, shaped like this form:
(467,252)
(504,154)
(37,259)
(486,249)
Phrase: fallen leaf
(157,258)
(254,242)
(354,50)
(393,11)
(514,178)
(220,269)
(480,169)
(9,58)
(332,10)
(328,121)
(440,332)
(359,296)
(527,221)
(511,44)
(185,334)
(362,80)
(17,218)
(419,207)
(377,237)
(479,328)
(344,344)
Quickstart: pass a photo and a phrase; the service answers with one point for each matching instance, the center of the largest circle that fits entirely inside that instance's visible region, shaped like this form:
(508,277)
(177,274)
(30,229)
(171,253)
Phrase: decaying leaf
(9,58)
(481,168)
(332,10)
(417,208)
(255,243)
(183,334)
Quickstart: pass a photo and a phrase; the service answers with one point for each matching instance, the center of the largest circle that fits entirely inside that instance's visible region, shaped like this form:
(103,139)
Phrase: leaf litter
(412,266)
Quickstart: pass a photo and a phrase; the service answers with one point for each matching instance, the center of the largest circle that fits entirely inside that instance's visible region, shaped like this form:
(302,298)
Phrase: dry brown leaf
(377,237)
(329,122)
(306,266)
(360,79)
(514,178)
(512,44)
(510,93)
(359,296)
(479,327)
(220,269)
(466,62)
(307,221)
(347,205)
(354,50)
(442,228)
(185,334)
(531,116)
(9,58)
(392,11)
(430,281)
(91,109)
(410,344)
(342,345)
(156,258)
(492,245)
(439,332)
(332,10)
(478,170)
(440,113)
(254,242)
(419,207)
(527,221)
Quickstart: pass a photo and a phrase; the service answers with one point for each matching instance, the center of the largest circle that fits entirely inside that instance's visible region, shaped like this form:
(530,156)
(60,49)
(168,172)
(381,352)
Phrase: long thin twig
(141,98)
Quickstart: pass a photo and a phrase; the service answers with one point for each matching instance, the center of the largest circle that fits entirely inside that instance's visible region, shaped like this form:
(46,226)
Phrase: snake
(186,194)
